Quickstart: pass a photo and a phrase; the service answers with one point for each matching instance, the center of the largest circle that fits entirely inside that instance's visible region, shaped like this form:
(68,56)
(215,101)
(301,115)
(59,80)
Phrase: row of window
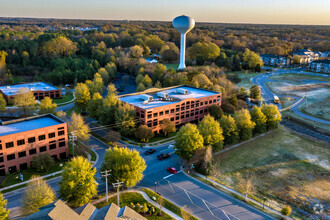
(31,140)
(178,108)
(52,146)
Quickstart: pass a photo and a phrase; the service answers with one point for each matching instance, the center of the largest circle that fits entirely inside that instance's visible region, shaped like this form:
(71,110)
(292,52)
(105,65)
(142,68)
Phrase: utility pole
(117,184)
(106,174)
(72,138)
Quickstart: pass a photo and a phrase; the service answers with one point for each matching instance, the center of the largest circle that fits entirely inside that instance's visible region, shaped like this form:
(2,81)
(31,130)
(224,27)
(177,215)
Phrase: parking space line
(168,176)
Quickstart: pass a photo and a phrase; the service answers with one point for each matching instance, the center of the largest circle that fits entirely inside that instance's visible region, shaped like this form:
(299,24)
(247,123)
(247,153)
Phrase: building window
(155,123)
(192,106)
(205,110)
(202,103)
(1,160)
(187,115)
(20,142)
(178,109)
(149,116)
(31,139)
(51,135)
(188,103)
(182,108)
(206,103)
(201,112)
(197,104)
(177,118)
(52,146)
(161,113)
(42,149)
(9,144)
(22,154)
(61,144)
(11,157)
(192,114)
(210,101)
(155,114)
(187,107)
(172,119)
(42,137)
(142,115)
(149,125)
(182,116)
(214,100)
(61,128)
(166,112)
(32,151)
(60,133)
(172,110)
(0,146)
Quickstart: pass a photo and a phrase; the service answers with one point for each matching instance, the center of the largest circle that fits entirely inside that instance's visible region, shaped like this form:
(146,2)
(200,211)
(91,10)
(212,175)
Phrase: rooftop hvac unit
(182,91)
(8,87)
(31,89)
(146,97)
(145,102)
(46,87)
(162,95)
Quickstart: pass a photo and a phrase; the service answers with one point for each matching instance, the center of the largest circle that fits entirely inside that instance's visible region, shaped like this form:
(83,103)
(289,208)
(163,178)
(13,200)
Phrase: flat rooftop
(28,124)
(137,99)
(37,86)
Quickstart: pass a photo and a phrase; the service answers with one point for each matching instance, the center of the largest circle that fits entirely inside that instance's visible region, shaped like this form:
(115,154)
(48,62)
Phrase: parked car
(150,151)
(163,156)
(172,170)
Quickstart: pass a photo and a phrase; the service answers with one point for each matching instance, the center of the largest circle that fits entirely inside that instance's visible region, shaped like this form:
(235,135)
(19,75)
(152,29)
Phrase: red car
(172,170)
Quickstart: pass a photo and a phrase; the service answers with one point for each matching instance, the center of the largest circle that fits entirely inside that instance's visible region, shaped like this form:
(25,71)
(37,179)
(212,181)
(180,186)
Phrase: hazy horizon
(295,12)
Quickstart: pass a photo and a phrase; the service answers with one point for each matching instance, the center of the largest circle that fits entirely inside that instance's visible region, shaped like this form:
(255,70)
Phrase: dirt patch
(305,88)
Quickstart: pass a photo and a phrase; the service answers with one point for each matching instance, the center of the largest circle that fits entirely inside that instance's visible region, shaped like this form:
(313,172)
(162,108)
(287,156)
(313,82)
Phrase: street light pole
(106,173)
(117,184)
(72,137)
(155,186)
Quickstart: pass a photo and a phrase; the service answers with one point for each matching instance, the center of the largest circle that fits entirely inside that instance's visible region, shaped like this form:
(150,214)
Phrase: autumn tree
(296,59)
(229,128)
(255,92)
(169,52)
(140,87)
(79,127)
(3,104)
(37,194)
(47,106)
(154,43)
(207,50)
(187,141)
(61,114)
(4,212)
(244,124)
(60,46)
(109,106)
(113,136)
(42,162)
(104,74)
(3,55)
(82,95)
(25,101)
(144,133)
(136,51)
(259,119)
(251,59)
(94,105)
(272,114)
(167,126)
(210,130)
(96,85)
(216,112)
(201,81)
(78,184)
(125,117)
(125,164)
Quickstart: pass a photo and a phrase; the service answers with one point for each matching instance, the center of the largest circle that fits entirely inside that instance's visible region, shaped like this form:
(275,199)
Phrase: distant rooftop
(141,99)
(322,61)
(27,124)
(37,86)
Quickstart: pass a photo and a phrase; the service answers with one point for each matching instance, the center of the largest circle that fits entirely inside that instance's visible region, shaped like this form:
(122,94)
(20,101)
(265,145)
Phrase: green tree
(272,114)
(61,114)
(3,55)
(216,112)
(251,59)
(112,69)
(147,81)
(286,210)
(167,126)
(140,87)
(96,85)
(112,136)
(210,130)
(4,212)
(60,46)
(109,106)
(125,164)
(104,74)
(138,207)
(244,124)
(82,94)
(3,104)
(125,117)
(25,58)
(37,194)
(233,100)
(144,208)
(154,43)
(296,59)
(144,133)
(259,119)
(78,185)
(139,78)
(47,106)
(42,162)
(229,128)
(159,72)
(79,127)
(201,81)
(25,101)
(94,105)
(188,140)
(136,51)
(208,50)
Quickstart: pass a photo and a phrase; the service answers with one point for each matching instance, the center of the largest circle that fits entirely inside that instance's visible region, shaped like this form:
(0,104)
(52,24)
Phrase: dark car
(150,151)
(163,156)
(172,170)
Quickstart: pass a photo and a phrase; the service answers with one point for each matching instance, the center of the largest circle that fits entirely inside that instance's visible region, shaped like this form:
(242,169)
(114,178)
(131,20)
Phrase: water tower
(183,24)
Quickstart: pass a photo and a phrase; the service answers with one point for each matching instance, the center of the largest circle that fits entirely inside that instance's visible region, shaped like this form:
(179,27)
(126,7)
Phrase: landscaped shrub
(286,210)
(138,207)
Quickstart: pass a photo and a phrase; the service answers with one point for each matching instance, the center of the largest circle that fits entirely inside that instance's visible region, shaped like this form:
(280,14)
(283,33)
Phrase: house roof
(322,61)
(37,86)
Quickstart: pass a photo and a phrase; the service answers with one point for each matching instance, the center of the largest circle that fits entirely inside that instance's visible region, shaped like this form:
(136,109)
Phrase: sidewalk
(147,198)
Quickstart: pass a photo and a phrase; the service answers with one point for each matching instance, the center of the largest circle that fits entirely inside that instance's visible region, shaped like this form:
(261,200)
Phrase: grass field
(298,77)
(65,98)
(127,198)
(174,66)
(245,78)
(286,168)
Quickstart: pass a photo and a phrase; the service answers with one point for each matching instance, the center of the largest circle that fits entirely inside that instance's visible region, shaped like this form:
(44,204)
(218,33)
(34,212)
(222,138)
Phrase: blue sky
(227,11)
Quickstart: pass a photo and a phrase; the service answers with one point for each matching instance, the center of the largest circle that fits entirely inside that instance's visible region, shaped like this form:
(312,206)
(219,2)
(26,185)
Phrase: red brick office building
(180,104)
(24,138)
(40,90)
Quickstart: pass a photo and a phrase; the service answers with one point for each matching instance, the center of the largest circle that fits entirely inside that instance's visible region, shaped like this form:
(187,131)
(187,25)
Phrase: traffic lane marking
(165,177)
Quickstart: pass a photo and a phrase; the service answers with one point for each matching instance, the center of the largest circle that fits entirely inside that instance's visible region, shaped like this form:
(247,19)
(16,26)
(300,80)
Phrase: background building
(274,60)
(24,138)
(321,66)
(180,104)
(40,90)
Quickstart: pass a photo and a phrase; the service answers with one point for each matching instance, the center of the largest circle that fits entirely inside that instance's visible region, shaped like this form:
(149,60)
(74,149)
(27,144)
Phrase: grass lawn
(174,66)
(27,174)
(245,78)
(287,101)
(167,204)
(317,107)
(155,139)
(65,98)
(127,198)
(73,109)
(298,77)
(286,168)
